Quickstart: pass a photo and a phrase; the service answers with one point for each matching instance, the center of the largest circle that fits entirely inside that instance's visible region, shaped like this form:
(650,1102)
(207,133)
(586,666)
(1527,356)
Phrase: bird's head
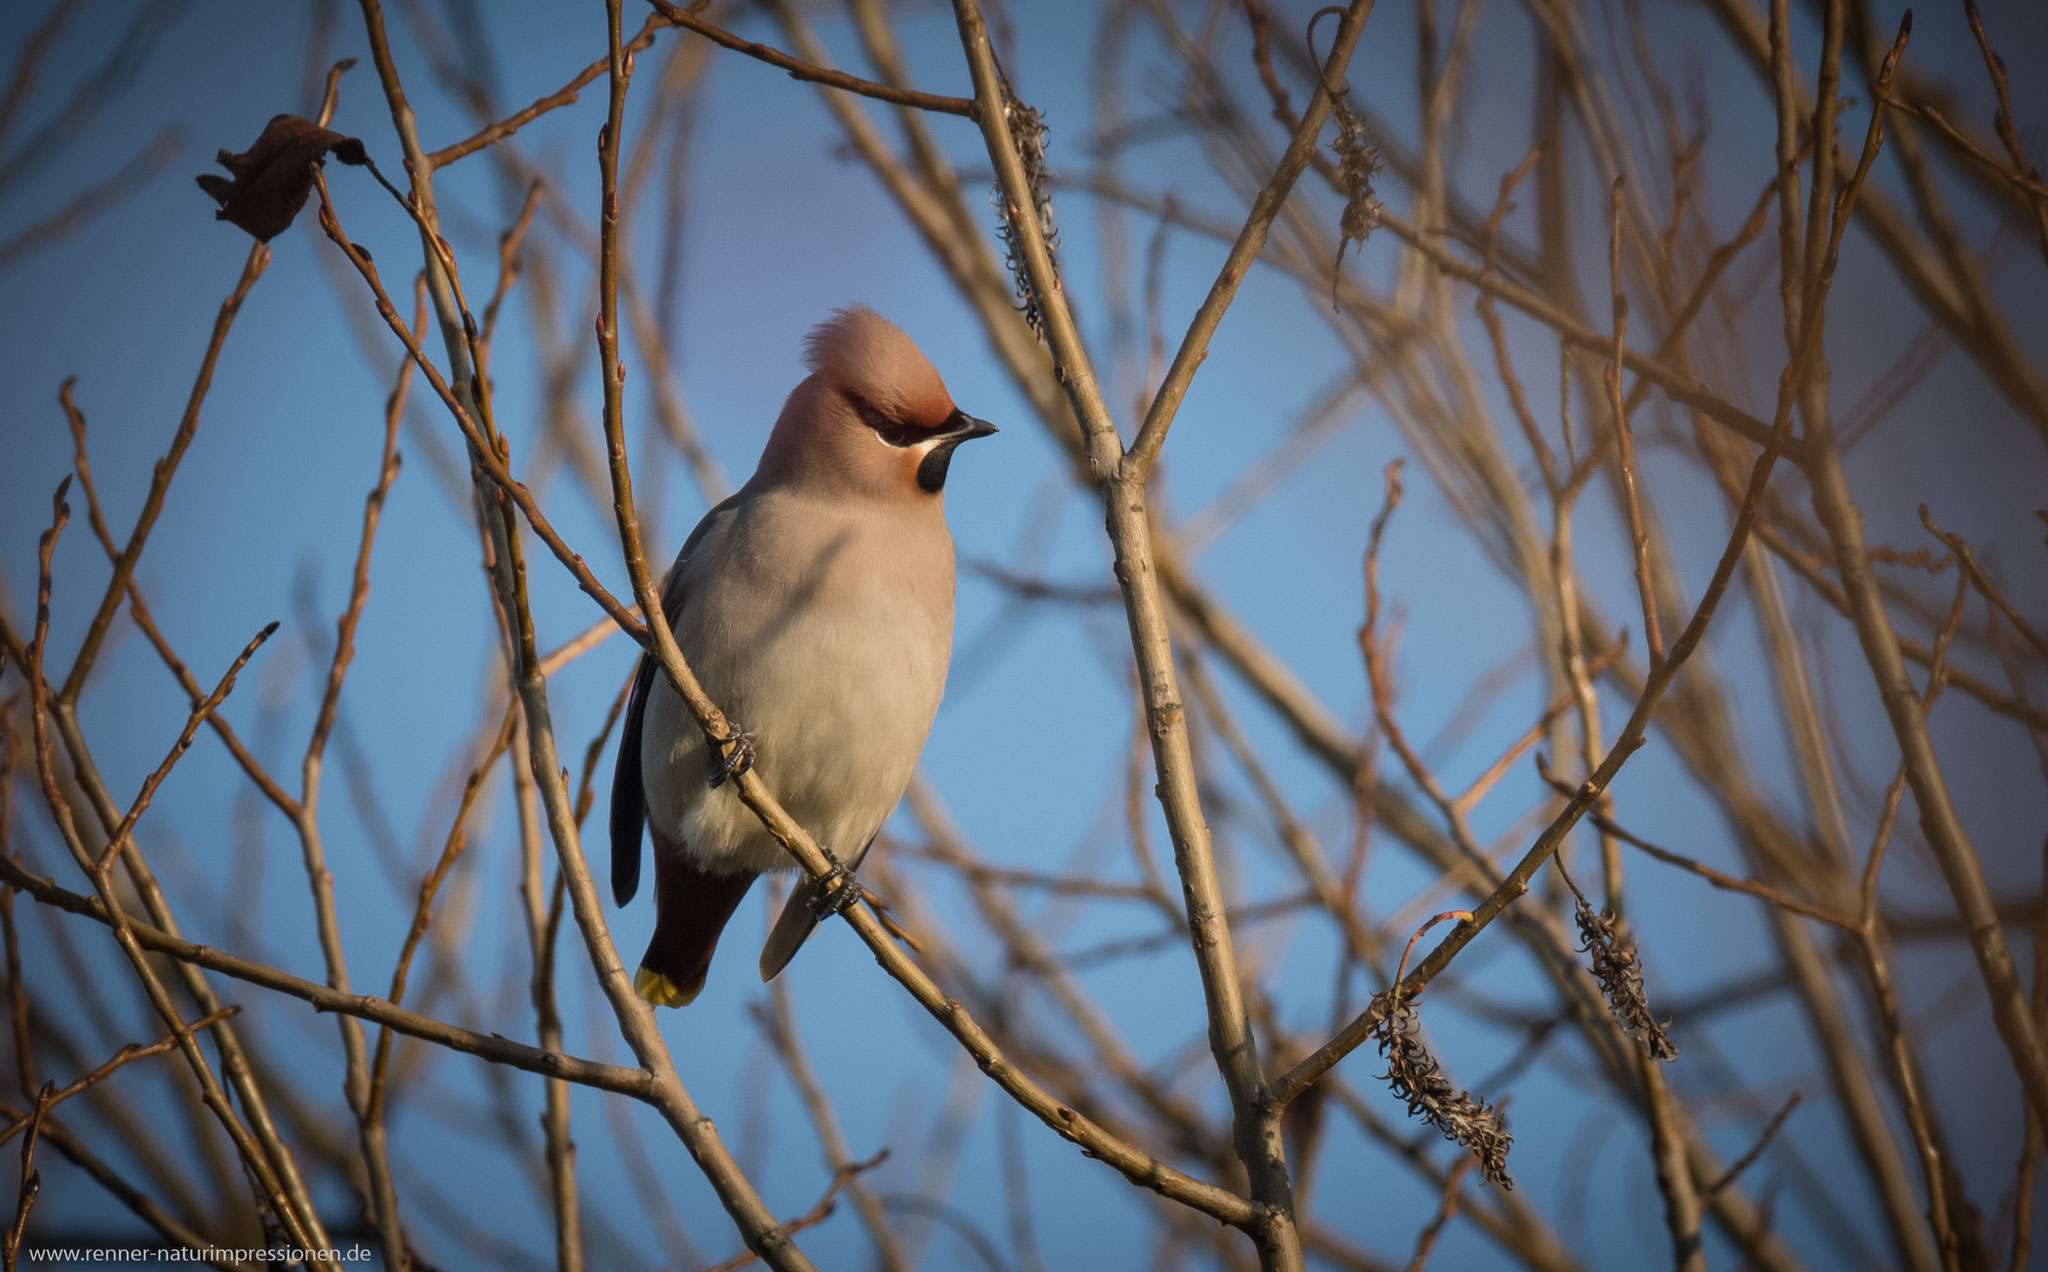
(873,417)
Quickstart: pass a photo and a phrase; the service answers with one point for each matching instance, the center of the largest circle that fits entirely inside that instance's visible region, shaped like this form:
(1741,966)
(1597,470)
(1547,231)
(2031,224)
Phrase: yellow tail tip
(661,991)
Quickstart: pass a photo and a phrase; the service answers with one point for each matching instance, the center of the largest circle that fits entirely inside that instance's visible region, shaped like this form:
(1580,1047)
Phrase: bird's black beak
(962,427)
(959,427)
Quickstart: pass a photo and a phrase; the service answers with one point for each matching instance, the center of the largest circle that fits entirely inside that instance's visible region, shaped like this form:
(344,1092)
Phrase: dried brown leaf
(272,179)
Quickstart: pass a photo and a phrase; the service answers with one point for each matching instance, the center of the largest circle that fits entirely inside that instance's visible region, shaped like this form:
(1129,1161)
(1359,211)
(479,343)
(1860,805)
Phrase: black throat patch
(931,471)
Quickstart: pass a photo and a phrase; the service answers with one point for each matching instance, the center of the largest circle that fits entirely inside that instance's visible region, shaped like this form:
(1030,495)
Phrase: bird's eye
(894,432)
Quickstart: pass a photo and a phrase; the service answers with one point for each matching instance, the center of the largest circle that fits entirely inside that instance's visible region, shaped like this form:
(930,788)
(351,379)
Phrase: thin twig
(160,478)
(126,1055)
(1756,1150)
(817,1214)
(1984,586)
(1194,345)
(31,1179)
(103,867)
(566,95)
(1639,539)
(1720,879)
(1446,1210)
(801,70)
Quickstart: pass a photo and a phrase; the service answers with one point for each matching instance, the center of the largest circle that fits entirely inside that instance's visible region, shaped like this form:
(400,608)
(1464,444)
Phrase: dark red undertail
(691,906)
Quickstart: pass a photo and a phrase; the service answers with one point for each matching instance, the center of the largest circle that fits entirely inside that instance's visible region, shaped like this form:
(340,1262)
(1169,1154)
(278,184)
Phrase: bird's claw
(736,756)
(838,890)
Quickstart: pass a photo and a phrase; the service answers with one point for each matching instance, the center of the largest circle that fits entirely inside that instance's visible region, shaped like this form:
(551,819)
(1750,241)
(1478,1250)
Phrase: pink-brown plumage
(862,368)
(860,353)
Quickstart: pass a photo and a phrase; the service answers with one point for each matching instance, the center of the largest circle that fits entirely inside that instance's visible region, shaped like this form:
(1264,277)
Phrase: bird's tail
(798,920)
(691,906)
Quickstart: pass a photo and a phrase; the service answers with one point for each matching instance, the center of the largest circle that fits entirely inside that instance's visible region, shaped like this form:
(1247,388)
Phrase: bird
(815,605)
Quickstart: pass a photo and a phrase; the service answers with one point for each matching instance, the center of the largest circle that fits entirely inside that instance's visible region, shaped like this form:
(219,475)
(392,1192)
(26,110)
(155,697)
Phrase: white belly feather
(835,672)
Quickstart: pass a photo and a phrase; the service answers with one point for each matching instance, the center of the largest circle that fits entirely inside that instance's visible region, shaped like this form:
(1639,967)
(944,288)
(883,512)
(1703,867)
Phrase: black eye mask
(931,471)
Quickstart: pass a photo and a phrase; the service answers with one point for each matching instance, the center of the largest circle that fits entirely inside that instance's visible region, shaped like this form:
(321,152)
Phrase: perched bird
(816,607)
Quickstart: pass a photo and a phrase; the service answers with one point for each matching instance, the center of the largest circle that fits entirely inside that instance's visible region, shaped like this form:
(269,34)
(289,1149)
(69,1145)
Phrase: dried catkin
(1358,163)
(1414,1076)
(1028,130)
(1620,973)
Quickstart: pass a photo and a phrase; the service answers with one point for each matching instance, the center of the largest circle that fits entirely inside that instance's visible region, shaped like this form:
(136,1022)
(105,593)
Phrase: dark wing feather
(629,798)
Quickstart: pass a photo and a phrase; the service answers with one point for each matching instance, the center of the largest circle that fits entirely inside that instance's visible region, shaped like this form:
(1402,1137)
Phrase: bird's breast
(829,646)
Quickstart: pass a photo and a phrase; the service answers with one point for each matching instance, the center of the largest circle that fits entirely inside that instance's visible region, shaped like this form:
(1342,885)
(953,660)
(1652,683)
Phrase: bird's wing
(629,798)
(799,918)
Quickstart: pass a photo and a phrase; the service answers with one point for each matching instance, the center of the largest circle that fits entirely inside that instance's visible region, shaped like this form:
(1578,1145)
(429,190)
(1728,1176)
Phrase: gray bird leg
(736,756)
(838,890)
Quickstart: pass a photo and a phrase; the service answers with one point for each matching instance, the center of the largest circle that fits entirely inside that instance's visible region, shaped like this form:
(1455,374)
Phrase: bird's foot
(736,756)
(838,890)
